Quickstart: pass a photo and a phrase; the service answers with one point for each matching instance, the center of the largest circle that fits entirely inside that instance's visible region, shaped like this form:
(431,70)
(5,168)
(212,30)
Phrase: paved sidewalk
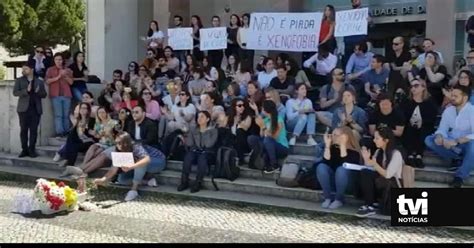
(170,219)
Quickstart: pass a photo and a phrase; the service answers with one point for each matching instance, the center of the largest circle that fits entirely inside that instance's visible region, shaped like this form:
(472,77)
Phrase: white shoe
(152,183)
(312,142)
(326,203)
(336,204)
(57,157)
(292,141)
(131,195)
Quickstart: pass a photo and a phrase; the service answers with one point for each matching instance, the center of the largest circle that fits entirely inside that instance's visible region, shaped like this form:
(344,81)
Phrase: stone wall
(10,127)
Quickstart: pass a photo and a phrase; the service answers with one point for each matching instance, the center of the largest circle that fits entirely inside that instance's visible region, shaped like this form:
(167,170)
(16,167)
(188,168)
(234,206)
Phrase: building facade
(114,27)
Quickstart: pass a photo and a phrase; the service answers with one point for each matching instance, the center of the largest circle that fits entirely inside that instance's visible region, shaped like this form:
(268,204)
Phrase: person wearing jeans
(340,147)
(454,138)
(60,80)
(300,114)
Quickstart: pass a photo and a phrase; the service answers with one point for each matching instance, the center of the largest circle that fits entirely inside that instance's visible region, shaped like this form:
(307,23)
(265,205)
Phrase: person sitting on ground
(210,71)
(265,77)
(127,100)
(300,114)
(180,117)
(376,80)
(171,60)
(455,135)
(144,80)
(153,110)
(254,94)
(210,102)
(386,115)
(147,160)
(117,92)
(198,86)
(88,98)
(124,119)
(162,76)
(150,61)
(358,64)
(142,129)
(200,145)
(340,147)
(465,78)
(187,72)
(325,63)
(232,93)
(331,96)
(295,72)
(387,163)
(283,84)
(428,47)
(350,115)
(273,141)
(131,77)
(174,88)
(273,95)
(420,112)
(243,76)
(80,138)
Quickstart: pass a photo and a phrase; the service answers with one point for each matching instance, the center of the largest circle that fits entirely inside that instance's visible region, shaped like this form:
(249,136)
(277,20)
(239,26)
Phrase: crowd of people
(380,111)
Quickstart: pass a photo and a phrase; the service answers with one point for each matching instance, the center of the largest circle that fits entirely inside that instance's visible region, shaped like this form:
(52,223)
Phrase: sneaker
(196,187)
(270,170)
(456,183)
(312,142)
(152,183)
(336,204)
(411,161)
(326,204)
(419,162)
(292,141)
(23,154)
(365,211)
(57,157)
(131,195)
(183,186)
(453,168)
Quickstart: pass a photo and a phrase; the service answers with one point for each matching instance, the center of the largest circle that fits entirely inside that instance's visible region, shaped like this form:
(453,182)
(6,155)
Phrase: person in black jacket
(420,113)
(142,129)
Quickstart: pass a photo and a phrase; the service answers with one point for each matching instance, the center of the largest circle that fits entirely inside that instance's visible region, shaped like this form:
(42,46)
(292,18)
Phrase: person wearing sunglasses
(395,59)
(132,77)
(38,59)
(150,61)
(153,109)
(420,113)
(179,116)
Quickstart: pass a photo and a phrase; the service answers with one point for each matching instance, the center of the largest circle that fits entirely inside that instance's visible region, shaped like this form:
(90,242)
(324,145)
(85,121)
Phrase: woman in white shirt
(387,163)
(300,114)
(266,76)
(182,114)
(210,71)
(155,36)
(246,55)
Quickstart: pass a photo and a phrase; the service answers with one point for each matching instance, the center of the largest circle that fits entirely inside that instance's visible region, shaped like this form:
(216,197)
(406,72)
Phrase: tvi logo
(414,206)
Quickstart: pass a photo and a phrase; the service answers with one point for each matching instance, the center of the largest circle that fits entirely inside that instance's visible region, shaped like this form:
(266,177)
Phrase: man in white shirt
(325,63)
(455,136)
(428,46)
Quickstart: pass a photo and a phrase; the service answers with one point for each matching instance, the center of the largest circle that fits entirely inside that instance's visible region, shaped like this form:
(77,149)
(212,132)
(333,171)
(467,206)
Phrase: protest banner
(121,159)
(297,32)
(213,38)
(180,38)
(351,22)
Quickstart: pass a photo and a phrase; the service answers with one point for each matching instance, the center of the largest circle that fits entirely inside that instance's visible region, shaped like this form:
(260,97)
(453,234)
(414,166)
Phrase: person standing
(216,56)
(59,79)
(246,55)
(181,55)
(196,24)
(351,41)
(328,25)
(40,62)
(80,73)
(470,31)
(30,91)
(233,47)
(397,58)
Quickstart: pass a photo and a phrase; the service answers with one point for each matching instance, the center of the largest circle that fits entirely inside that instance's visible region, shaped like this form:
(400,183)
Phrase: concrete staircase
(251,187)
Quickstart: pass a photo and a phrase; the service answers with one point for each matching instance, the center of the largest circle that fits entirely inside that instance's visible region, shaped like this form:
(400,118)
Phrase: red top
(325,28)
(133,104)
(62,87)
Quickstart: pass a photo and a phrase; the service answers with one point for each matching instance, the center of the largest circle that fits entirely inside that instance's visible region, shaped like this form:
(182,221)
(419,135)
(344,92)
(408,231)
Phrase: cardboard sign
(180,38)
(121,159)
(213,38)
(298,32)
(351,22)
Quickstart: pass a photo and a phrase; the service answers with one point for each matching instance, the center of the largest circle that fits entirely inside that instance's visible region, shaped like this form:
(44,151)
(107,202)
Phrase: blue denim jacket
(358,115)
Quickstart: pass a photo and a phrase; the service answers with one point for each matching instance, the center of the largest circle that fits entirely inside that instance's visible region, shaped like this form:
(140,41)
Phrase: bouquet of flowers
(53,198)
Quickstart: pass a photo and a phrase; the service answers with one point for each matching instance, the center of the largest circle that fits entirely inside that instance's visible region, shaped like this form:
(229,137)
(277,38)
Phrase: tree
(27,23)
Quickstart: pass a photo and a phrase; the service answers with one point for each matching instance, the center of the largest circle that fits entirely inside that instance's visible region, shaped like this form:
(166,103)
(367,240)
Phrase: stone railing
(10,125)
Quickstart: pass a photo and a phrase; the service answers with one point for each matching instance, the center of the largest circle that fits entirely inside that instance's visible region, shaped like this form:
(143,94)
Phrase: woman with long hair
(272,141)
(197,86)
(464,78)
(196,24)
(210,71)
(340,147)
(79,73)
(387,164)
(131,77)
(153,110)
(201,150)
(243,76)
(79,139)
(246,55)
(144,80)
(172,62)
(232,67)
(187,72)
(232,93)
(350,115)
(265,77)
(181,115)
(147,160)
(273,95)
(328,25)
(295,71)
(155,37)
(233,47)
(300,114)
(254,94)
(420,113)
(124,119)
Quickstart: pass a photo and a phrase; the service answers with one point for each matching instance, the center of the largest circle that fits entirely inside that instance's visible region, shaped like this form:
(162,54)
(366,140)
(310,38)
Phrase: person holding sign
(154,37)
(143,160)
(246,55)
(233,47)
(216,56)
(328,24)
(196,24)
(340,147)
(351,41)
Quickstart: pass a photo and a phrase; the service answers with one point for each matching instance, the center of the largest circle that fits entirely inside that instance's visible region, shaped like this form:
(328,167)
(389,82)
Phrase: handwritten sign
(180,38)
(351,22)
(298,32)
(121,159)
(213,38)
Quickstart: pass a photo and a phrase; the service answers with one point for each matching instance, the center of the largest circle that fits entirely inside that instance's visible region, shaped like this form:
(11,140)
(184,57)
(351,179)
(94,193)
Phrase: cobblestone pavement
(156,218)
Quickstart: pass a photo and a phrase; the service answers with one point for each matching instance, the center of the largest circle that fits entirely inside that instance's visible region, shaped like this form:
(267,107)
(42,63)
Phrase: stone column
(441,27)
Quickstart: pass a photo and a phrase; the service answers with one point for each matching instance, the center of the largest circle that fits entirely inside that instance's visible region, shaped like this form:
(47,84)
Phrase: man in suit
(30,91)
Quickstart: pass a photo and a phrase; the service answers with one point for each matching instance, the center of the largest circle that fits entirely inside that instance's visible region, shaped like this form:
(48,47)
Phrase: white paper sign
(351,22)
(357,167)
(121,159)
(213,38)
(180,38)
(298,32)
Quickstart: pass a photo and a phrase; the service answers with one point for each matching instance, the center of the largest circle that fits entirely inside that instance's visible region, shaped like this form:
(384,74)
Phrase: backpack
(256,160)
(226,165)
(288,176)
(307,178)
(173,146)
